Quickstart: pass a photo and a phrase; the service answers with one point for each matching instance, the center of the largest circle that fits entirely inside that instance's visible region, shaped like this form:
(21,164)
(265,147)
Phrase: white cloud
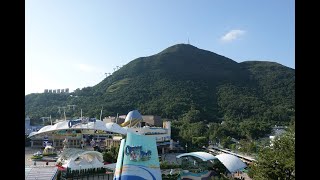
(85,67)
(232,35)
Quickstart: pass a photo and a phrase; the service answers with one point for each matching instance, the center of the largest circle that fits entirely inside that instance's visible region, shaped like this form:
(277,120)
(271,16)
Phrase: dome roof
(231,162)
(202,155)
(133,115)
(77,158)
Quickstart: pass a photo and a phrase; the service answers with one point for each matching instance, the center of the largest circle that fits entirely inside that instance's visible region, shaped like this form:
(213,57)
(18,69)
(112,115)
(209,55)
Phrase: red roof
(61,168)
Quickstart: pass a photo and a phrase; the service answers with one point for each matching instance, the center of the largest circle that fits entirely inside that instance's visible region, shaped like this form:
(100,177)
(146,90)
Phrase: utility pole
(43,118)
(101,113)
(64,112)
(117,118)
(73,106)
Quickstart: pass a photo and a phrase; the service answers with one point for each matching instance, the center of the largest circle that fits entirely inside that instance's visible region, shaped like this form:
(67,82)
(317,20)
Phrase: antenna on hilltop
(188,41)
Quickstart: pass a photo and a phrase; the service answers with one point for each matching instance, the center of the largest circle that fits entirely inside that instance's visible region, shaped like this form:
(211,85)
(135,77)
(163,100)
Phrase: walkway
(40,173)
(244,158)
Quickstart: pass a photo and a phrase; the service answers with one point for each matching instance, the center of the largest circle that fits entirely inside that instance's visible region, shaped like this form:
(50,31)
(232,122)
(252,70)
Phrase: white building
(28,128)
(108,134)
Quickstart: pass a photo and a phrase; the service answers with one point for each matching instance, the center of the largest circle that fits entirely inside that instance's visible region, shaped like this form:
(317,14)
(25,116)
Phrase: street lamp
(186,147)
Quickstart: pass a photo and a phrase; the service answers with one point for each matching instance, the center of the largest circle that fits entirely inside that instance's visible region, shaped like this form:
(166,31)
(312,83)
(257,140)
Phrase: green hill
(181,80)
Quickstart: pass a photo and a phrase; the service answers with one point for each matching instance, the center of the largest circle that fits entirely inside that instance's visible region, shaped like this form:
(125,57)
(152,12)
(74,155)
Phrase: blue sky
(72,44)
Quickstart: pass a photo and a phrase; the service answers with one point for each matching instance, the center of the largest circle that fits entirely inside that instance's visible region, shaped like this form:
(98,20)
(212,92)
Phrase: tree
(254,129)
(193,115)
(276,161)
(111,155)
(226,142)
(188,130)
(107,157)
(199,141)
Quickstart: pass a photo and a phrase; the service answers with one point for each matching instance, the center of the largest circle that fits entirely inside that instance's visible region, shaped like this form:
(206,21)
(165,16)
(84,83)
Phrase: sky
(72,44)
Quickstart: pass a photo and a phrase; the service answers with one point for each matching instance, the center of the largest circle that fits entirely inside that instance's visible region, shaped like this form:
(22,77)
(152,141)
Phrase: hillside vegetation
(185,83)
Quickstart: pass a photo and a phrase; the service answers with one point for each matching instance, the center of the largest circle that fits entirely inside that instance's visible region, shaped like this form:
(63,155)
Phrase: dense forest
(187,85)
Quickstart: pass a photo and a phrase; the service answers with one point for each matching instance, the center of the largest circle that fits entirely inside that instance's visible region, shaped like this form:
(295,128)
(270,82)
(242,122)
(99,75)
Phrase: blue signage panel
(138,158)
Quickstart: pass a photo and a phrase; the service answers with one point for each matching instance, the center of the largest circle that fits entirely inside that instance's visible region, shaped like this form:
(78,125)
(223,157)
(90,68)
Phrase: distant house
(276,131)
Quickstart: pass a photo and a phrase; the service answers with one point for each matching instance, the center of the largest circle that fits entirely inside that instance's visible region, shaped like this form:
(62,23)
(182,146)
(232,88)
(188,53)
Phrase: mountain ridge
(183,77)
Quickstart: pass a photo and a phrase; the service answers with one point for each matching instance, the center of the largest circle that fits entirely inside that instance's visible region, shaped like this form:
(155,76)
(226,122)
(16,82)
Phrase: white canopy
(202,155)
(231,162)
(98,125)
(80,159)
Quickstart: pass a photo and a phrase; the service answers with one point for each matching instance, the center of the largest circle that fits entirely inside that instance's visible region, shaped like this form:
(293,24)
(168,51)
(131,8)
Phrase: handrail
(238,155)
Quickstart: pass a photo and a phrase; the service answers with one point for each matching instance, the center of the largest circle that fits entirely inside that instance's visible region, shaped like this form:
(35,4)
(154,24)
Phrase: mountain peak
(181,79)
(179,48)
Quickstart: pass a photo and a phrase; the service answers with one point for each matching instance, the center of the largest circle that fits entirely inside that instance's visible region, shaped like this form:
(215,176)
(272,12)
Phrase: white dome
(231,162)
(133,115)
(202,155)
(79,158)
